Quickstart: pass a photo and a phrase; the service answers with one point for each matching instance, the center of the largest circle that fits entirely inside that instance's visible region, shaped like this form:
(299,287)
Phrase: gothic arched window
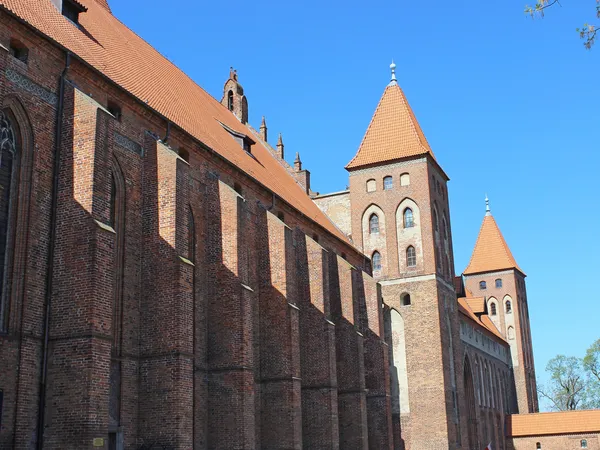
(409,221)
(493,309)
(230,100)
(374,224)
(376,261)
(411,257)
(8,156)
(508,307)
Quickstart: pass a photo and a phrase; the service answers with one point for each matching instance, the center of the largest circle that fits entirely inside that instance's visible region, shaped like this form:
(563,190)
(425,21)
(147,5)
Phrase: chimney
(280,147)
(263,129)
(301,176)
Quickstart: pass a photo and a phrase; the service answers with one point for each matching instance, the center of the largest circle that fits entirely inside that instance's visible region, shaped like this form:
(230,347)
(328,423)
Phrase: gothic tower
(494,274)
(400,218)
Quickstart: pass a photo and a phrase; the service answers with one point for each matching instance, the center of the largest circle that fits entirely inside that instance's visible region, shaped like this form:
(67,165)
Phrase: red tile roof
(564,422)
(464,307)
(113,49)
(491,252)
(393,133)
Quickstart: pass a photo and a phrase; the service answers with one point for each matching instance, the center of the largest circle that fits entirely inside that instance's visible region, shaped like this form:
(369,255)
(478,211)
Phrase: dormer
(70,9)
(233,97)
(245,141)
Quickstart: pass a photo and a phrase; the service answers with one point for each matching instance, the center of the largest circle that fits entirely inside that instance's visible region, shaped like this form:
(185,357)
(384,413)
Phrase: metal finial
(393,69)
(487,206)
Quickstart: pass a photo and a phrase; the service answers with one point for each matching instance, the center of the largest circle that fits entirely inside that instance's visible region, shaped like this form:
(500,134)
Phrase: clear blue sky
(510,107)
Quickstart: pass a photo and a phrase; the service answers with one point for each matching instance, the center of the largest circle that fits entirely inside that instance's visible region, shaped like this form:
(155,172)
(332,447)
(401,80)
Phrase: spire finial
(487,206)
(393,69)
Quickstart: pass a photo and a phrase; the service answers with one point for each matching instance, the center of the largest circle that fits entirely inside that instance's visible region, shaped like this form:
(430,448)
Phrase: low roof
(481,320)
(111,48)
(563,422)
(393,133)
(491,253)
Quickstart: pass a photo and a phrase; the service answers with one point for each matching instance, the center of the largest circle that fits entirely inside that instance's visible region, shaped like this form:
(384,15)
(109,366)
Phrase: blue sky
(510,107)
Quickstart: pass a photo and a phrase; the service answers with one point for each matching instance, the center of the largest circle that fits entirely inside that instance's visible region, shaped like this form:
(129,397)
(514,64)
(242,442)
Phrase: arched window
(493,309)
(511,333)
(482,285)
(371,186)
(376,261)
(508,307)
(405,299)
(8,163)
(113,201)
(538,446)
(408,218)
(404,179)
(388,183)
(230,100)
(584,443)
(498,283)
(411,257)
(435,220)
(374,224)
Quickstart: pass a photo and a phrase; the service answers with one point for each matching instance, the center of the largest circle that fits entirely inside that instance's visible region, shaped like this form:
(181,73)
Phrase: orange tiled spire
(393,133)
(491,252)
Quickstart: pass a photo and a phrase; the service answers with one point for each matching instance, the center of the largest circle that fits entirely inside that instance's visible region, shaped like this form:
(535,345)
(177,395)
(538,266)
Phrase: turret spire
(280,147)
(393,69)
(488,212)
(263,129)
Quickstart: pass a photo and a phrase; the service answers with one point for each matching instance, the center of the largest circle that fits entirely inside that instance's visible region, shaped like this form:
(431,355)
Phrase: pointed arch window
(230,100)
(374,224)
(493,309)
(376,261)
(409,220)
(508,307)
(411,257)
(8,156)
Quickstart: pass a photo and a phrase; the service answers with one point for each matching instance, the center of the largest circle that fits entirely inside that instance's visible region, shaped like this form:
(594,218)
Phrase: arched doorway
(470,404)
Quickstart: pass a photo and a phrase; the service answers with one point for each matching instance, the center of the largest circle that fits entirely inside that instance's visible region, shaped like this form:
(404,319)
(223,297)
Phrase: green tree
(587,32)
(591,366)
(566,388)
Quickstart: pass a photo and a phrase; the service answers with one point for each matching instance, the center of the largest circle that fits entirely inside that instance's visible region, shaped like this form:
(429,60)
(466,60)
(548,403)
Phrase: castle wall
(337,207)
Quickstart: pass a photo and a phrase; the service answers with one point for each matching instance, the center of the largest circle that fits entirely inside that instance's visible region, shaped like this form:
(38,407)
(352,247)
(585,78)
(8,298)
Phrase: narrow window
(435,220)
(411,257)
(538,446)
(482,285)
(408,218)
(113,202)
(247,146)
(508,307)
(115,109)
(374,224)
(498,283)
(511,333)
(493,309)
(404,179)
(388,183)
(7,169)
(376,261)
(584,443)
(406,300)
(230,100)
(371,186)
(19,51)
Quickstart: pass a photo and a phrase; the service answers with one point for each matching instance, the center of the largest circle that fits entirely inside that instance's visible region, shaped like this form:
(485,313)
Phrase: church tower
(400,219)
(494,274)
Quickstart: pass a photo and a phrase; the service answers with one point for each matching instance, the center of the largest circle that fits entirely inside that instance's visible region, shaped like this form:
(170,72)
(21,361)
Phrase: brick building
(170,281)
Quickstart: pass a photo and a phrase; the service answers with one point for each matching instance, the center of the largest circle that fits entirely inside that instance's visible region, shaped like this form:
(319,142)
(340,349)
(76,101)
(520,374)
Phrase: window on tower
(411,257)
(493,309)
(404,179)
(584,443)
(508,307)
(371,186)
(374,224)
(406,300)
(538,446)
(230,100)
(499,283)
(408,218)
(376,261)
(482,285)
(388,183)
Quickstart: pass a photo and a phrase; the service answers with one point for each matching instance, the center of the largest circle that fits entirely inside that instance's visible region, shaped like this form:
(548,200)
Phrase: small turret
(280,147)
(263,129)
(297,162)
(233,97)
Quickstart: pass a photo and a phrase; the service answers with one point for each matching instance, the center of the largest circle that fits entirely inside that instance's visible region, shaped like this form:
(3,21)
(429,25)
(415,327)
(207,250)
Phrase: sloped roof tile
(491,253)
(393,133)
(563,422)
(110,47)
